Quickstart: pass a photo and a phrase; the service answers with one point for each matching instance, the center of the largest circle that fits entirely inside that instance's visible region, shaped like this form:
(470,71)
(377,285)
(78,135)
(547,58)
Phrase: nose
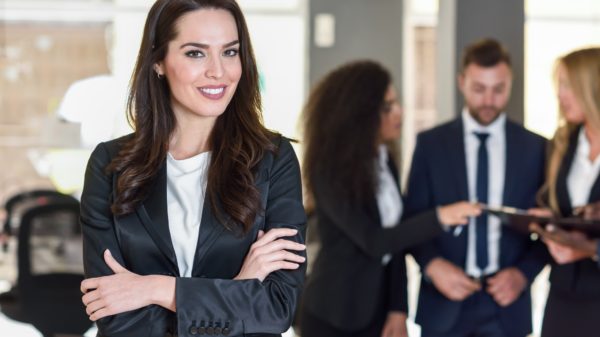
(214,67)
(488,98)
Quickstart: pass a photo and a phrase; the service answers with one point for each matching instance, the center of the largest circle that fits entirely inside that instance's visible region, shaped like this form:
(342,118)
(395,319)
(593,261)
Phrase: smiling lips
(213,92)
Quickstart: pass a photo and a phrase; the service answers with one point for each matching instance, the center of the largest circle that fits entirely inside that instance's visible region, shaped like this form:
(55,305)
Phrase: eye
(387,107)
(231,52)
(479,89)
(194,53)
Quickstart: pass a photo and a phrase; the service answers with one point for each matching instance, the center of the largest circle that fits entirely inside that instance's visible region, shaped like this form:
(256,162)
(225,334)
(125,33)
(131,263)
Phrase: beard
(485,115)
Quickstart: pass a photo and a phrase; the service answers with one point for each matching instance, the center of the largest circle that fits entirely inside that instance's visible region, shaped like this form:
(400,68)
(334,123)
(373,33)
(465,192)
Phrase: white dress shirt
(388,197)
(186,189)
(583,172)
(496,148)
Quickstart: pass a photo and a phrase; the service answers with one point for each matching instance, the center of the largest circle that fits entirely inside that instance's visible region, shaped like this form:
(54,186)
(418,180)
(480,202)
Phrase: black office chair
(19,202)
(15,206)
(51,269)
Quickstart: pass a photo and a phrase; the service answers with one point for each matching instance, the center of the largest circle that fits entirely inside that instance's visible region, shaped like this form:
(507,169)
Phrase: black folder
(520,220)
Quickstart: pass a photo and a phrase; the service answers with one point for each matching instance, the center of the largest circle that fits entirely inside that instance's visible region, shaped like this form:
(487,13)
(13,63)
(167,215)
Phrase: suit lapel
(154,216)
(455,147)
(511,164)
(210,230)
(562,191)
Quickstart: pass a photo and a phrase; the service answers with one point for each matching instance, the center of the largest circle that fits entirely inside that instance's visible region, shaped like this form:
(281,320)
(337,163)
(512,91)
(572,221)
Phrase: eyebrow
(205,46)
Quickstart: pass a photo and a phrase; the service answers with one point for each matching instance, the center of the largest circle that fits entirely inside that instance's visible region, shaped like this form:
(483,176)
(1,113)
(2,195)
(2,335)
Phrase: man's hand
(506,286)
(395,325)
(451,280)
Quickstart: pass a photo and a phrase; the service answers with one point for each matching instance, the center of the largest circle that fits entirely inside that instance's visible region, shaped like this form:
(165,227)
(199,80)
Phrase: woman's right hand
(270,253)
(458,213)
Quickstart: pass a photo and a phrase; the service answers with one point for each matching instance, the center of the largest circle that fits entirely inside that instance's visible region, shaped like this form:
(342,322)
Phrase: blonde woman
(573,185)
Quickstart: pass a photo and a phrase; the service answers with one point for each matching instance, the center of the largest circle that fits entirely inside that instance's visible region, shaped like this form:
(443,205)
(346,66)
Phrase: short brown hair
(485,53)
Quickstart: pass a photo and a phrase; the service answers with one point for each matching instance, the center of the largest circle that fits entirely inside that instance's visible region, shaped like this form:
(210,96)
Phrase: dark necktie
(481,231)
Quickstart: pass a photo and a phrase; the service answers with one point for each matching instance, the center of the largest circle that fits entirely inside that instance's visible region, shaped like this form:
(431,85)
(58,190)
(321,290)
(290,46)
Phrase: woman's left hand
(395,325)
(114,294)
(566,246)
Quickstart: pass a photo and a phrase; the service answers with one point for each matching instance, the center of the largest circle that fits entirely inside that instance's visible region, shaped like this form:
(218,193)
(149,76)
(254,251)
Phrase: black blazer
(348,285)
(141,242)
(438,176)
(580,280)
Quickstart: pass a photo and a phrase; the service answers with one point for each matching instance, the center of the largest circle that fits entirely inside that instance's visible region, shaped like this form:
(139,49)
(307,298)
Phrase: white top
(496,148)
(583,172)
(388,197)
(186,190)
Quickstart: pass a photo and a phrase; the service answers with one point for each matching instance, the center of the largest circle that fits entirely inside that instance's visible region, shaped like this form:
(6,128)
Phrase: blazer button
(193,330)
(202,330)
(210,330)
(225,331)
(218,330)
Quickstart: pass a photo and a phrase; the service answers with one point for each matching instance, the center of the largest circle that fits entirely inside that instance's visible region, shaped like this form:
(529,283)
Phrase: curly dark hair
(238,140)
(341,124)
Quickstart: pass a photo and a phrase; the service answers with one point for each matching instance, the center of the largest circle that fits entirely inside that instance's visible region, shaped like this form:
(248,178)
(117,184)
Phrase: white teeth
(214,91)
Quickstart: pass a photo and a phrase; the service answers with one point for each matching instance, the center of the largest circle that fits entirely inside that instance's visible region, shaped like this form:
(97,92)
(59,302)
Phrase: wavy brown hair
(238,140)
(583,72)
(341,123)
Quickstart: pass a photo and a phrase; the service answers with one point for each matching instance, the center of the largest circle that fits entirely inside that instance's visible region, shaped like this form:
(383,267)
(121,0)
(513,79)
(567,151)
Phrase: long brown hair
(238,139)
(583,72)
(341,123)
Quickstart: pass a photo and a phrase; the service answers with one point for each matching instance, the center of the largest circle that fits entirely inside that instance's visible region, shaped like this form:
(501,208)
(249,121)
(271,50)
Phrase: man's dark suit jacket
(141,242)
(438,177)
(348,285)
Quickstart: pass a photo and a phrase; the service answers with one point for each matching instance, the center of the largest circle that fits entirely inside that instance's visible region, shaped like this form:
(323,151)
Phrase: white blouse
(388,197)
(186,189)
(583,172)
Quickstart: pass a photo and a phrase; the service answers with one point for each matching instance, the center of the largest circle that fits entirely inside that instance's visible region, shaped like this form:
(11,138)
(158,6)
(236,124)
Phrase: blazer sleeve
(418,198)
(251,306)
(366,233)
(398,284)
(98,234)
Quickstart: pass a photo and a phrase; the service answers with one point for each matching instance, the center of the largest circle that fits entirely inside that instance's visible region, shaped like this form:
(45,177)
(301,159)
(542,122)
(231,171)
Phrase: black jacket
(141,242)
(348,285)
(581,279)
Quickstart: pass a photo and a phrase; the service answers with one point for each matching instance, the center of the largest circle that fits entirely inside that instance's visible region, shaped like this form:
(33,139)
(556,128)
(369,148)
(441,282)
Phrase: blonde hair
(582,68)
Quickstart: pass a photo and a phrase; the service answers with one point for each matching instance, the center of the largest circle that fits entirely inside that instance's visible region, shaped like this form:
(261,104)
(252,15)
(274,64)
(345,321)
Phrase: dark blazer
(574,299)
(141,242)
(348,285)
(438,176)
(580,279)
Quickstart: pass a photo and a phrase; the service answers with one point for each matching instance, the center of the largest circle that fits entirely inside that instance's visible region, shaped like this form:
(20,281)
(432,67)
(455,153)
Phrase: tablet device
(519,219)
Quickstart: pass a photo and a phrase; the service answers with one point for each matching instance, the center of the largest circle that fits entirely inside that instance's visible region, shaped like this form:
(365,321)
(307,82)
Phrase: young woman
(350,121)
(192,224)
(573,185)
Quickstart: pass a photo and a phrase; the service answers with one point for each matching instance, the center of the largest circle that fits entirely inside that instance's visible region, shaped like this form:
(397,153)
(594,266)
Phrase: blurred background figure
(573,188)
(351,121)
(476,281)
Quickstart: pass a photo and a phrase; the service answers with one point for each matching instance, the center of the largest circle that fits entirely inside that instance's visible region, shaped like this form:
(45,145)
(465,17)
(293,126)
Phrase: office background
(48,45)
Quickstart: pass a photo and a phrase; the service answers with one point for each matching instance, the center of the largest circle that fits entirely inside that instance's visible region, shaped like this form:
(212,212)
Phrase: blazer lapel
(562,191)
(153,213)
(210,230)
(455,147)
(511,164)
